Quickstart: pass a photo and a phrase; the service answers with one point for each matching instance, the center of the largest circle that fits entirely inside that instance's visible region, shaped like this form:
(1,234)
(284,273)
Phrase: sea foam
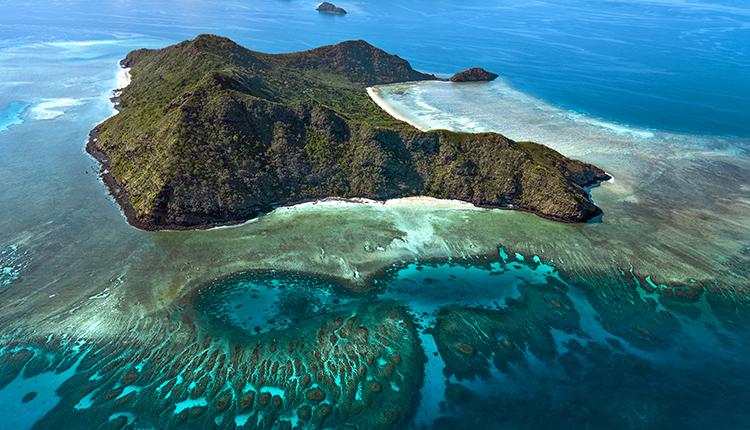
(82,43)
(123,78)
(53,108)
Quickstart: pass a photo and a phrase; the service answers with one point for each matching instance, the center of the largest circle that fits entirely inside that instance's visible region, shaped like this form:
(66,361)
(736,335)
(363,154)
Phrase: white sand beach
(414,201)
(375,96)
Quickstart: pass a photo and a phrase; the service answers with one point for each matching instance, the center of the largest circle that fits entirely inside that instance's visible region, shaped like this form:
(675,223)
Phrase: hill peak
(362,63)
(212,42)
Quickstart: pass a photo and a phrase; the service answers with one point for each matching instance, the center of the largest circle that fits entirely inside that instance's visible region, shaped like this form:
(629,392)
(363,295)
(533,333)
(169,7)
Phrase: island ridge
(212,133)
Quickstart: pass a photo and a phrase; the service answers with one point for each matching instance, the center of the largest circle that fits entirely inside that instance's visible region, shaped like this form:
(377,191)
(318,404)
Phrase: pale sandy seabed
(374,94)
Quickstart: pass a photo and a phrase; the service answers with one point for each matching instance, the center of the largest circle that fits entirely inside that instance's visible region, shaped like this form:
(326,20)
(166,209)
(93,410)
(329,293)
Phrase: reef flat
(212,133)
(358,364)
(432,345)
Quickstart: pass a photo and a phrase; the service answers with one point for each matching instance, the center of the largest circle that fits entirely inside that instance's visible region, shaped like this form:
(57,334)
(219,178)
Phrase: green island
(211,133)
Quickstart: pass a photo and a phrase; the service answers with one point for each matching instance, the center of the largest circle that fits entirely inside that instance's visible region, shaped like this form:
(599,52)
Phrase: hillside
(212,133)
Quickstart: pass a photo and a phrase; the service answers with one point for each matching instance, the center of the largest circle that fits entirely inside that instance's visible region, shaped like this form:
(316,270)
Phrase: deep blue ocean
(667,64)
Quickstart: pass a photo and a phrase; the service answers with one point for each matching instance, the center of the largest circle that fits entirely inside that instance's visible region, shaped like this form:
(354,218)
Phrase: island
(475,74)
(330,8)
(211,133)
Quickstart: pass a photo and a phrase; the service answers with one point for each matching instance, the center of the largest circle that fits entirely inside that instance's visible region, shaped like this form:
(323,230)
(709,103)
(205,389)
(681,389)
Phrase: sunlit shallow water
(501,341)
(261,302)
(675,200)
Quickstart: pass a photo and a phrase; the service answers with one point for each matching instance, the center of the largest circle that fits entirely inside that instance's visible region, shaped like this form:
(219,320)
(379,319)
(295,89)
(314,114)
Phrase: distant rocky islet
(474,74)
(330,8)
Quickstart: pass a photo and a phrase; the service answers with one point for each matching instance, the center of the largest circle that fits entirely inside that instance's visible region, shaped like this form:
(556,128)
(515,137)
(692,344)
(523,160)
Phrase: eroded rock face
(475,74)
(330,8)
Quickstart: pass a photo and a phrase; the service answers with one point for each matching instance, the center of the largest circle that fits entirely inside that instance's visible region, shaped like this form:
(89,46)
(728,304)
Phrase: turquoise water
(258,303)
(593,353)
(653,91)
(579,360)
(504,341)
(11,115)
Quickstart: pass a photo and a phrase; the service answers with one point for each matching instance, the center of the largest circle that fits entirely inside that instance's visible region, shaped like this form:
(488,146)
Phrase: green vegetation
(210,132)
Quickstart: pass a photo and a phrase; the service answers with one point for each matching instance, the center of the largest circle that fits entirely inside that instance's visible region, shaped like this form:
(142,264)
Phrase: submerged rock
(330,8)
(475,74)
(29,397)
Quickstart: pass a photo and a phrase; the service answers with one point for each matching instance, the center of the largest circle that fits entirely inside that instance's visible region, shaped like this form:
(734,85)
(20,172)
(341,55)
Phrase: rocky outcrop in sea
(330,8)
(475,74)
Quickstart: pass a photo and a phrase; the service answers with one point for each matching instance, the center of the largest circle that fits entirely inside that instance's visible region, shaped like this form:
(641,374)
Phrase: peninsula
(212,133)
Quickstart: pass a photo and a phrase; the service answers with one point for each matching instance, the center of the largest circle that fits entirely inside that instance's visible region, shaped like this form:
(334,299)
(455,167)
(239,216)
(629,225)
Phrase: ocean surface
(668,64)
(392,315)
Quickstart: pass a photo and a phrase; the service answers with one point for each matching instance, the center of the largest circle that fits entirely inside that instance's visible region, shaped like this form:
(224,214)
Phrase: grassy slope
(210,132)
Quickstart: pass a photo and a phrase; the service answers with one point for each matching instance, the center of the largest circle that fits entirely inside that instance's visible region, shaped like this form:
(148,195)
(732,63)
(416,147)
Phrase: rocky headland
(212,133)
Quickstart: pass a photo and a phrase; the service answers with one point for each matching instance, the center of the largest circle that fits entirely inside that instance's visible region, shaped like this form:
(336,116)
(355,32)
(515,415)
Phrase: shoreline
(411,201)
(113,187)
(122,79)
(375,96)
